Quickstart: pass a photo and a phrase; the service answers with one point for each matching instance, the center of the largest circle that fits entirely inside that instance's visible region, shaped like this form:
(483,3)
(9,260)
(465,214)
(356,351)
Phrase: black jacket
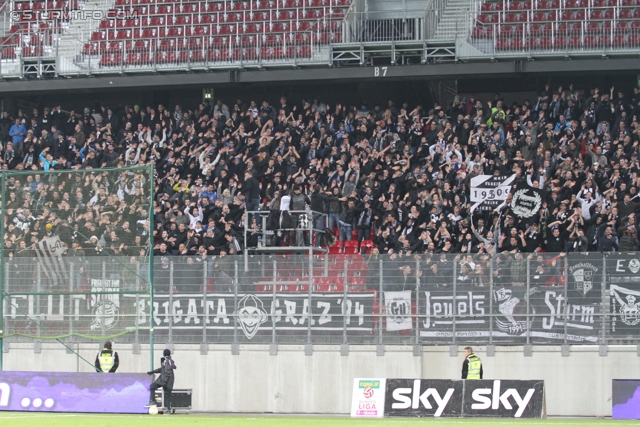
(166,372)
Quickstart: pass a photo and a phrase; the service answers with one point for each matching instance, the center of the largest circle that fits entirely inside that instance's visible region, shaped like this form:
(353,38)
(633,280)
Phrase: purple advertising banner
(74,392)
(625,400)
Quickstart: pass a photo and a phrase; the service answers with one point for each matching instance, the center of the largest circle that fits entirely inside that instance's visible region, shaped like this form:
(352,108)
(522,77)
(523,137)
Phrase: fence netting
(76,243)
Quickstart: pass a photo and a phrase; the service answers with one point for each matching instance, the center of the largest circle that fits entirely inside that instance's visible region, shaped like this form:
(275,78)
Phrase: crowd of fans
(396,177)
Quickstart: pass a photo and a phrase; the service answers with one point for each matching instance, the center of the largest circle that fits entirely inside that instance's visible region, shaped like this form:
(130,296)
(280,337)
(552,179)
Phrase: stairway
(80,30)
(455,19)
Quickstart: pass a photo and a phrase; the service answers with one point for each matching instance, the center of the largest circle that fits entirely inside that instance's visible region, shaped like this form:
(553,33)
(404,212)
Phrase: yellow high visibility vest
(106,360)
(474,367)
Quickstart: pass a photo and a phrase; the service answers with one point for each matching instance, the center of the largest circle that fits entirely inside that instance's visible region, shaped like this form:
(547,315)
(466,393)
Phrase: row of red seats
(620,40)
(206,30)
(46,5)
(244,5)
(320,284)
(567,15)
(217,55)
(564,28)
(492,5)
(169,19)
(204,8)
(196,43)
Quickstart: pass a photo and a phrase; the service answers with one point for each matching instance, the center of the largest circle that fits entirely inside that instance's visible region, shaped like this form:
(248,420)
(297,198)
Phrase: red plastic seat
(625,14)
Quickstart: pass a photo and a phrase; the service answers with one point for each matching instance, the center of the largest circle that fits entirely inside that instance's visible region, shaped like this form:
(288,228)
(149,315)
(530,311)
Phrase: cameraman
(165,380)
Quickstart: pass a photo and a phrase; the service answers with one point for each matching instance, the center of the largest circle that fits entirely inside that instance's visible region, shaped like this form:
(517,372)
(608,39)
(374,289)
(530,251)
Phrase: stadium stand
(556,25)
(142,32)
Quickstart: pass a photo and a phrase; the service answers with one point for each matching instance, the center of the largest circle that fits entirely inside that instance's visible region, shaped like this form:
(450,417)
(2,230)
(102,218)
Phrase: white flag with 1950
(49,252)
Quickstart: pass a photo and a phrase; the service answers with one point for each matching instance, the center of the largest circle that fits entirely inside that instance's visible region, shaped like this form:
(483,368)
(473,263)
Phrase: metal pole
(528,301)
(151,270)
(2,267)
(137,332)
(454,308)
(417,302)
(491,302)
(344,306)
(310,318)
(381,302)
(204,302)
(170,308)
(604,297)
(566,306)
(273,303)
(246,230)
(235,301)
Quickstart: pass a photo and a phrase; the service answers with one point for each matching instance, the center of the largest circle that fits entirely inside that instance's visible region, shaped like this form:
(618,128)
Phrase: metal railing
(371,27)
(420,299)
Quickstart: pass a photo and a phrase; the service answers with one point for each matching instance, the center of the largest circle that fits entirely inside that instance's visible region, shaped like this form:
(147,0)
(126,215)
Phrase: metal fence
(506,299)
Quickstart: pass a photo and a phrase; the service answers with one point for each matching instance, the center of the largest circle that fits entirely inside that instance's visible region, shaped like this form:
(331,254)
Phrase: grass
(24,419)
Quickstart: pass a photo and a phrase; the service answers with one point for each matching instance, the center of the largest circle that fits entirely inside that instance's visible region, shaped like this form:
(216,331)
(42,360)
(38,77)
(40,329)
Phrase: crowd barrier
(507,299)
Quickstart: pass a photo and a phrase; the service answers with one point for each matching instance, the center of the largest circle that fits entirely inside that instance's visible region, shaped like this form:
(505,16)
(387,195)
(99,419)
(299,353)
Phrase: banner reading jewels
(257,313)
(74,392)
(544,315)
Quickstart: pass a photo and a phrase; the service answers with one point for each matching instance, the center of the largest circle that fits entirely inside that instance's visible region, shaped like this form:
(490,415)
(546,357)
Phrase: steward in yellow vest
(472,365)
(107,360)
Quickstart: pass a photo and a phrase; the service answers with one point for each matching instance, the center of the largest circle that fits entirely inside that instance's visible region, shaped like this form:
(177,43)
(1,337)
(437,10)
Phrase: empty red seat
(625,14)
(502,44)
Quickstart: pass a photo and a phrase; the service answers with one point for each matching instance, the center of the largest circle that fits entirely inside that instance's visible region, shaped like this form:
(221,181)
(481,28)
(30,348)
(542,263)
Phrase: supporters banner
(526,201)
(438,311)
(257,313)
(625,310)
(585,276)
(49,252)
(543,315)
(623,280)
(489,191)
(105,303)
(398,310)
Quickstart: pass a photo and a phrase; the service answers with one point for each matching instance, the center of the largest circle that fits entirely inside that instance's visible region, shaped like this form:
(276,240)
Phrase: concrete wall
(291,382)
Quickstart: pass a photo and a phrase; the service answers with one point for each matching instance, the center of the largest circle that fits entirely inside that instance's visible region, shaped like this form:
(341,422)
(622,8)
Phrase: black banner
(446,398)
(503,399)
(290,312)
(585,276)
(423,398)
(540,314)
(526,201)
(624,289)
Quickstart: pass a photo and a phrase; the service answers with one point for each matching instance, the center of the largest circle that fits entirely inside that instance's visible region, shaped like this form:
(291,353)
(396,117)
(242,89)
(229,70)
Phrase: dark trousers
(167,393)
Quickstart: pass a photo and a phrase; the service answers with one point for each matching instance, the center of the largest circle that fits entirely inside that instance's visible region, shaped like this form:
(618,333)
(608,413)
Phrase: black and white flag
(625,310)
(49,252)
(489,192)
(398,309)
(526,201)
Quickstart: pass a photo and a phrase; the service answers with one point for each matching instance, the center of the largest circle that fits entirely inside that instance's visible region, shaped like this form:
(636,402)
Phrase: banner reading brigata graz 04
(623,275)
(458,398)
(539,314)
(290,312)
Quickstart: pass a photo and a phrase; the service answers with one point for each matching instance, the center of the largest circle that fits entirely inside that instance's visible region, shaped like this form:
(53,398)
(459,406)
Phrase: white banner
(398,310)
(489,191)
(368,398)
(49,252)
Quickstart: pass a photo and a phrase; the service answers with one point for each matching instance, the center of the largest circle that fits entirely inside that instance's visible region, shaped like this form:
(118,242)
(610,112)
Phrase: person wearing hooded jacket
(164,381)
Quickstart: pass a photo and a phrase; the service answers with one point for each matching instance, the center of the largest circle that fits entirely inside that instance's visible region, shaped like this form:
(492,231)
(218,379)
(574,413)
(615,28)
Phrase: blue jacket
(18,132)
